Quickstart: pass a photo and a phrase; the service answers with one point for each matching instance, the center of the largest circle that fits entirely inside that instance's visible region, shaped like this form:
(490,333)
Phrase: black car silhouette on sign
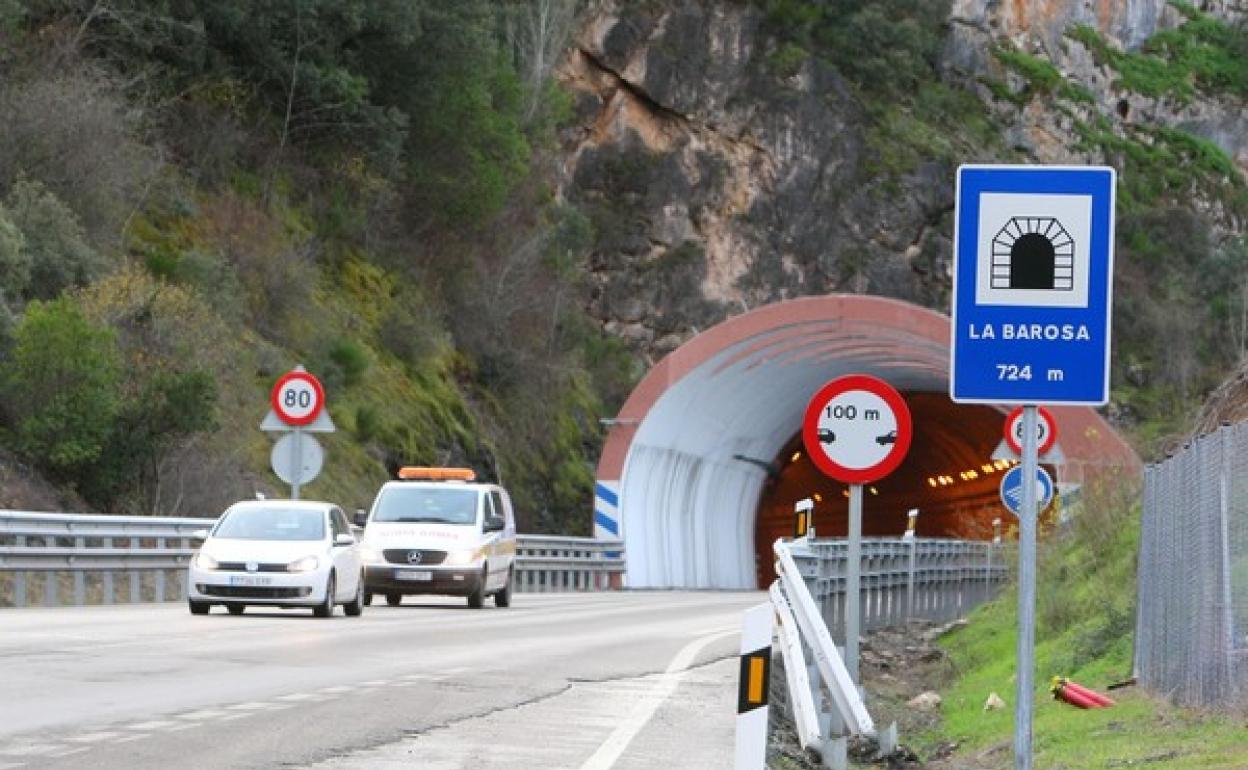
(887,438)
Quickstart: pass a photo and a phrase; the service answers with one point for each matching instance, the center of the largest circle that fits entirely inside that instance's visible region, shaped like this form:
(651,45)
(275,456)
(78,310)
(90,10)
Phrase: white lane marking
(184,726)
(232,717)
(336,690)
(11,765)
(131,738)
(416,677)
(69,752)
(374,683)
(103,735)
(253,706)
(613,747)
(199,716)
(299,697)
(30,750)
(158,724)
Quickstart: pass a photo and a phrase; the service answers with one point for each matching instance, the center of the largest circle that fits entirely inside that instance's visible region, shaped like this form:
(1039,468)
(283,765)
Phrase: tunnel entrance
(949,475)
(704,462)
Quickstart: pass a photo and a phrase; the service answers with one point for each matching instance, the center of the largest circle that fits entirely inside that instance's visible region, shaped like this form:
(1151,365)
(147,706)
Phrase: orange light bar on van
(416,472)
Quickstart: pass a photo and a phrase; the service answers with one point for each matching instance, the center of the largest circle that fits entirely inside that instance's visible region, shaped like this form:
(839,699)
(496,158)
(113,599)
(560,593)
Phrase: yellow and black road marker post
(803,518)
(756,632)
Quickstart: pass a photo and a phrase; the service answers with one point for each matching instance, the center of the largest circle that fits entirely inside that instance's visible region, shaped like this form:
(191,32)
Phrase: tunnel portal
(704,462)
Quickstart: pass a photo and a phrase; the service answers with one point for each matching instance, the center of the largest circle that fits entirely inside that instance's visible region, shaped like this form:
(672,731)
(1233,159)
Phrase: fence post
(1226,616)
(80,579)
(19,580)
(914,547)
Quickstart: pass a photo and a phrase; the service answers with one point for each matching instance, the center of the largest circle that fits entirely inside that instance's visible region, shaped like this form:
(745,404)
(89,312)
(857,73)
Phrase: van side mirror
(360,518)
(494,523)
(344,539)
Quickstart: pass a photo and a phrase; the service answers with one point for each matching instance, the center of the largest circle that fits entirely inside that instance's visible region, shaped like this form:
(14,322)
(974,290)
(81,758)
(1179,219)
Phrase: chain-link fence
(1191,641)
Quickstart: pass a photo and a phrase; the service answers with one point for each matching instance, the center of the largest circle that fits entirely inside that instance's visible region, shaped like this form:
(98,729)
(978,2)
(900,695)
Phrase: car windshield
(255,523)
(438,504)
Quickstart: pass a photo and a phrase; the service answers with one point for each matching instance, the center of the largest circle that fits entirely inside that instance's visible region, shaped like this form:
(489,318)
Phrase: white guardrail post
(48,545)
(755,681)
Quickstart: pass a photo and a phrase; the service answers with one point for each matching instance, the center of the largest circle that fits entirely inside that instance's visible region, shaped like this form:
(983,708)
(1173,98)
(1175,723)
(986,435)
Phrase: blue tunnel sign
(1032,284)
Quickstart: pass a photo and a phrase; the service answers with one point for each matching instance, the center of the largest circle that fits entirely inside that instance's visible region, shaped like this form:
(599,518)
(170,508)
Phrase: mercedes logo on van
(252,566)
(414,557)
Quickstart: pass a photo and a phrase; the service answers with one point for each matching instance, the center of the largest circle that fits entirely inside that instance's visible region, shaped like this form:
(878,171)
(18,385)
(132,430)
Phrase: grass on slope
(1085,625)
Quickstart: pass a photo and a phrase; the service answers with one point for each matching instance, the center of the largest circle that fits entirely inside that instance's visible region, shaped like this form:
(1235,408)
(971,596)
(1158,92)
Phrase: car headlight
(460,558)
(306,564)
(371,555)
(204,561)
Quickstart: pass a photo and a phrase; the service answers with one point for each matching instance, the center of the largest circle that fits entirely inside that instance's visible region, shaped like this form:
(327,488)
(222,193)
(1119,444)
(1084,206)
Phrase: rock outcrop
(717,181)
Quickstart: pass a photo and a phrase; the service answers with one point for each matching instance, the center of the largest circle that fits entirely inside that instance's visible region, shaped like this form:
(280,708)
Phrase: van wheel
(394,600)
(476,599)
(198,608)
(503,597)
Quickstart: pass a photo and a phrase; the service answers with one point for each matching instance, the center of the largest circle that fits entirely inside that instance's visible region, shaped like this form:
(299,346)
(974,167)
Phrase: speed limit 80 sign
(298,398)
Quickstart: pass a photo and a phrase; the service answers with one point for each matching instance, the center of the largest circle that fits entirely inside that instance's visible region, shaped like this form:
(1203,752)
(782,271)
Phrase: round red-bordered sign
(1046,427)
(857,429)
(297,398)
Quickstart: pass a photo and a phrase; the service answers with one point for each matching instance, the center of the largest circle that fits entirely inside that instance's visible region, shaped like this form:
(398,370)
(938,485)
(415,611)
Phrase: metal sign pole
(1026,595)
(297,471)
(853,616)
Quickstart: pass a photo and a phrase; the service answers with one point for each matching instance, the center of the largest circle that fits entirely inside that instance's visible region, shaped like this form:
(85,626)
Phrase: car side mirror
(494,524)
(344,539)
(200,534)
(361,517)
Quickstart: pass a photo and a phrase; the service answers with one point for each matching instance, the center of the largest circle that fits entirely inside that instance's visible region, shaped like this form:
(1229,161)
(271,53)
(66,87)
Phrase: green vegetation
(889,51)
(1041,78)
(1204,53)
(196,196)
(1085,622)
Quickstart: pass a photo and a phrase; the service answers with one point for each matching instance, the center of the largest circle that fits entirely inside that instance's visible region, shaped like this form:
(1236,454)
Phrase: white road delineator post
(752,696)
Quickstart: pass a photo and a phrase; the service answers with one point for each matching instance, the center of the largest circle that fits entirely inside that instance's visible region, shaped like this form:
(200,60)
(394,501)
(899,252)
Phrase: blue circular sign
(1012,489)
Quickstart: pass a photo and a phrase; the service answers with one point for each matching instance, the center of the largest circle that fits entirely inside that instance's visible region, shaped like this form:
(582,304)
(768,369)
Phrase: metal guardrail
(922,578)
(83,559)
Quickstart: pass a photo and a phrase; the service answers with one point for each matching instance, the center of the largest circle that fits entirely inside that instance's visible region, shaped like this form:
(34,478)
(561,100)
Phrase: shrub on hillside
(56,247)
(74,133)
(62,387)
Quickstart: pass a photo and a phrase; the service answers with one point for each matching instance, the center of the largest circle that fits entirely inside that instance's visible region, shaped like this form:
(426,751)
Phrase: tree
(62,388)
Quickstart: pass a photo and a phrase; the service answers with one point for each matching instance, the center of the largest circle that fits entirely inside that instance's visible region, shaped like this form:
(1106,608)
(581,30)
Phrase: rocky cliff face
(718,181)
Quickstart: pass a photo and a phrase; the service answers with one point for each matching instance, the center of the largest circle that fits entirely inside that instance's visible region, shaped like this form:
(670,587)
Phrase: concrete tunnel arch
(703,463)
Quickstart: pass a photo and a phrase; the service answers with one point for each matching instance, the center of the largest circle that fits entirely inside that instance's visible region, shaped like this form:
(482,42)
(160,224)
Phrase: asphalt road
(580,681)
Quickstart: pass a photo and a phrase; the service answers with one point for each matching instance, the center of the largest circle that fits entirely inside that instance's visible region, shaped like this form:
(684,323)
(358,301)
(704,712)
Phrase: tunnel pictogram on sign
(1033,253)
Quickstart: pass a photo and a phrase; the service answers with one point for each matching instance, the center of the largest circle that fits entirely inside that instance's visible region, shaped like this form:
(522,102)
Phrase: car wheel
(326,608)
(355,607)
(394,600)
(368,598)
(236,609)
(476,599)
(503,597)
(198,608)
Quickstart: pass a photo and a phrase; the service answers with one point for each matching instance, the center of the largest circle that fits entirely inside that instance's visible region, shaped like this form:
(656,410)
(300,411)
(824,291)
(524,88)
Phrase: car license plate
(410,574)
(248,580)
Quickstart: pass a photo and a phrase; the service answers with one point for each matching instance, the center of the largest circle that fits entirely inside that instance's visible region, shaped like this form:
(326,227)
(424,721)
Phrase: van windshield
(437,504)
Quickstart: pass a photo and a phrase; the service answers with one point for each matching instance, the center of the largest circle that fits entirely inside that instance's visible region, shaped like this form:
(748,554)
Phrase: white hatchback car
(278,553)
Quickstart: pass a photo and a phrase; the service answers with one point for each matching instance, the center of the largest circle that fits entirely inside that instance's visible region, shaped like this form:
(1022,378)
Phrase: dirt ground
(897,664)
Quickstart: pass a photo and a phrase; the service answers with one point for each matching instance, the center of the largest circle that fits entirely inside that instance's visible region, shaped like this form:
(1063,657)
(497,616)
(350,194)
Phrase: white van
(435,531)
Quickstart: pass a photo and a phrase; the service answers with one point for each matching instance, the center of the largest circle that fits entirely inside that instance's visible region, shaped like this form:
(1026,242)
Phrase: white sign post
(298,408)
(857,430)
(1032,296)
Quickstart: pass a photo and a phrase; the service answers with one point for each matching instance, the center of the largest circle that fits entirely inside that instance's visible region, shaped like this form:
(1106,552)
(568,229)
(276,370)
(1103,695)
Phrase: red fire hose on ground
(1077,695)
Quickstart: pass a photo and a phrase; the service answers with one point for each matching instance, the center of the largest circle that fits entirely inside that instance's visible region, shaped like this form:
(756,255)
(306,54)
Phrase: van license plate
(408,574)
(243,580)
